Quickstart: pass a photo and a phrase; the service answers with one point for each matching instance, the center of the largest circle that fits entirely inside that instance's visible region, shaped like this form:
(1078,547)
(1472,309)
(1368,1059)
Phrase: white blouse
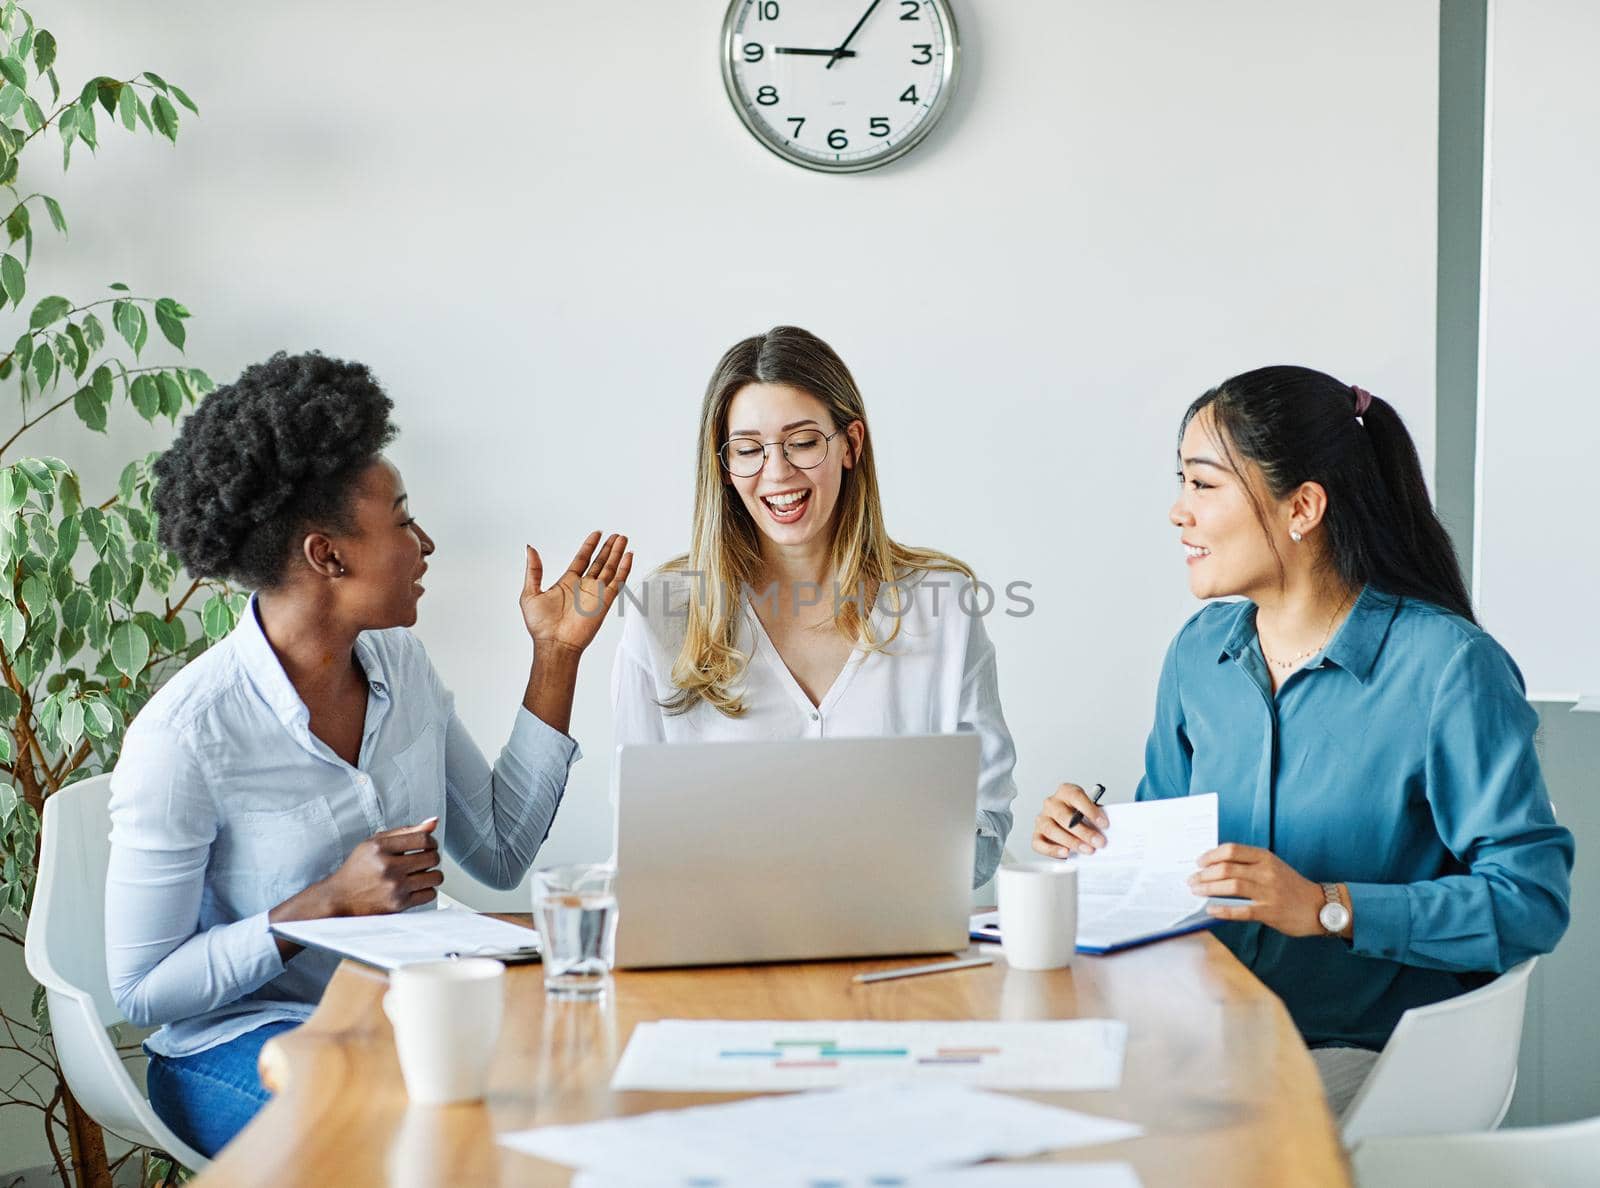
(937,677)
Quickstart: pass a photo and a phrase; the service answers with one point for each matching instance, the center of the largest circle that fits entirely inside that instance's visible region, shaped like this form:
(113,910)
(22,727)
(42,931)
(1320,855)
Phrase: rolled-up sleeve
(1509,899)
(997,756)
(160,965)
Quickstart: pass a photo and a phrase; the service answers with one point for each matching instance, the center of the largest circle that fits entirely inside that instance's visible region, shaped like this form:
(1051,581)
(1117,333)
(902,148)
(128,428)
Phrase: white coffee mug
(446,1017)
(1039,914)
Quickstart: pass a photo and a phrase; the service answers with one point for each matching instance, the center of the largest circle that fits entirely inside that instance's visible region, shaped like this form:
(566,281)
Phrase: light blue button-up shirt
(224,804)
(1400,761)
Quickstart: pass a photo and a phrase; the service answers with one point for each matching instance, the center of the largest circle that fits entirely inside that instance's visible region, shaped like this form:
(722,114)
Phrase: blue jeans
(208,1097)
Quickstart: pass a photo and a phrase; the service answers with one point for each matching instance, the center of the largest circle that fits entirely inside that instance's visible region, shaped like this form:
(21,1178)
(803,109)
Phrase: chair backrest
(66,954)
(1564,1156)
(1449,1068)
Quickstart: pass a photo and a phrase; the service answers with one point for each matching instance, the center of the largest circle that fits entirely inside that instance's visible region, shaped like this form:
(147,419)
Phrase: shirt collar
(1354,647)
(266,673)
(1360,638)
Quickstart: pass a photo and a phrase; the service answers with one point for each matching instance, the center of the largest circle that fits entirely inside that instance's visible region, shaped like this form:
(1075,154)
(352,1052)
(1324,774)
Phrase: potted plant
(94,613)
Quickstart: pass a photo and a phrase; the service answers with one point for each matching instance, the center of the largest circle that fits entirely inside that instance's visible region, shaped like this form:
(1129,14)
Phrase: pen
(1077,816)
(913,970)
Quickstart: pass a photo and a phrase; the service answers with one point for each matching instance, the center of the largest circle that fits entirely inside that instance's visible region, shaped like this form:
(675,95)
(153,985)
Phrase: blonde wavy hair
(725,546)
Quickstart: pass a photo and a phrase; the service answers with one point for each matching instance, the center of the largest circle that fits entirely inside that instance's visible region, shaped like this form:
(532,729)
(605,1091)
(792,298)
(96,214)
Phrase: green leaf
(94,527)
(89,409)
(71,725)
(44,51)
(169,316)
(143,113)
(67,538)
(171,395)
(76,609)
(85,126)
(50,309)
(80,347)
(8,795)
(130,649)
(13,278)
(200,381)
(100,722)
(146,396)
(94,333)
(108,92)
(36,595)
(44,365)
(155,80)
(102,582)
(32,112)
(165,116)
(38,473)
(10,101)
(5,757)
(13,490)
(127,110)
(15,72)
(216,617)
(13,627)
(177,93)
(129,476)
(10,707)
(119,286)
(129,320)
(55,85)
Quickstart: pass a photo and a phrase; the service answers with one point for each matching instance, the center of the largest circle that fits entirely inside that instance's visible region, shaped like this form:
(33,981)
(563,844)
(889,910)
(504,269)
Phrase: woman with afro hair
(310,764)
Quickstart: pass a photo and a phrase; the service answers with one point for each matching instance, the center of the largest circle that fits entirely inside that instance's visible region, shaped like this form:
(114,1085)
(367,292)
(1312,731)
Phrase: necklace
(1296,660)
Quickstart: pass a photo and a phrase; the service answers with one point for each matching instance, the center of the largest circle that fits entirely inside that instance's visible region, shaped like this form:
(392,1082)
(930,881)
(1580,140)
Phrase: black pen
(1077,816)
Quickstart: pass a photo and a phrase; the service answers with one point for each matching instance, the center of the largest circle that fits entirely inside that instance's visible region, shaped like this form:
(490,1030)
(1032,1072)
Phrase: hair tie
(1363,400)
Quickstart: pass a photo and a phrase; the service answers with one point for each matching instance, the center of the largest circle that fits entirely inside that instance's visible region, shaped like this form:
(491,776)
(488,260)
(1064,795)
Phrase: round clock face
(839,85)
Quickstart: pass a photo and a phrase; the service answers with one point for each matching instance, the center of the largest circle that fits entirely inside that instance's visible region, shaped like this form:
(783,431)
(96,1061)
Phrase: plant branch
(66,400)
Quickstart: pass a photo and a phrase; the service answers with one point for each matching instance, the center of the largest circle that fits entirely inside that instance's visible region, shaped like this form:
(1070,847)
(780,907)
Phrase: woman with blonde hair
(794,614)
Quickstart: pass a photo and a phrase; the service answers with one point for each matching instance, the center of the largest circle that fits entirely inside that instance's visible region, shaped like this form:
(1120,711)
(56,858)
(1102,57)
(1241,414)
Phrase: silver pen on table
(912,971)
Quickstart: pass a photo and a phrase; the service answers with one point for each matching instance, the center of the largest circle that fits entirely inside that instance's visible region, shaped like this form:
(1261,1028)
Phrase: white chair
(1565,1156)
(66,954)
(1449,1068)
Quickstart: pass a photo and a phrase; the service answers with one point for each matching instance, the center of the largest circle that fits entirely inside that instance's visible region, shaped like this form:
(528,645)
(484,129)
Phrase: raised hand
(570,612)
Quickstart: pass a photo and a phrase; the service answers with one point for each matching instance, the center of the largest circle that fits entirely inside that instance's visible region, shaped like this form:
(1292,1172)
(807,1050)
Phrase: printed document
(407,937)
(877,1130)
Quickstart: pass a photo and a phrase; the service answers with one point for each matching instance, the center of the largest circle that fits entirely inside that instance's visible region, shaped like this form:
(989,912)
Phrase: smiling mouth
(1196,552)
(787,507)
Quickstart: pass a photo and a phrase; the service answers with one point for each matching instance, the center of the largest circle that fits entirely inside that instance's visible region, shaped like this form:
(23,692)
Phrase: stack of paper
(1137,888)
(712,1056)
(989,1175)
(872,1131)
(405,937)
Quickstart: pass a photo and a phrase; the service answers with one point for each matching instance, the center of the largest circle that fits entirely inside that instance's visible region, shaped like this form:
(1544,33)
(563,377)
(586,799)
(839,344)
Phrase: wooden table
(1215,1071)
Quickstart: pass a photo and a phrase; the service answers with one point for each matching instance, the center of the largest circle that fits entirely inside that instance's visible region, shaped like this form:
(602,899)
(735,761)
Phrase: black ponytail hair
(1298,426)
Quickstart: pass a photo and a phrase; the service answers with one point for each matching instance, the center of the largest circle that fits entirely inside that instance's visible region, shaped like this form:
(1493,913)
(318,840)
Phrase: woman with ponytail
(1380,801)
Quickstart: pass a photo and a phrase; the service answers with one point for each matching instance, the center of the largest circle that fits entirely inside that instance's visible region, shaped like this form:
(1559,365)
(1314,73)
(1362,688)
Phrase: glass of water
(576,911)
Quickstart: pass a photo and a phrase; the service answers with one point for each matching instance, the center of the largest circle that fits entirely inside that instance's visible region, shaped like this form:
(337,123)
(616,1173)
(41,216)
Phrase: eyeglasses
(804,449)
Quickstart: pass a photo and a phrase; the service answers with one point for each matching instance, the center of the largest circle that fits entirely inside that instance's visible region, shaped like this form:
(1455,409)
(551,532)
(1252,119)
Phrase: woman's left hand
(570,612)
(1280,897)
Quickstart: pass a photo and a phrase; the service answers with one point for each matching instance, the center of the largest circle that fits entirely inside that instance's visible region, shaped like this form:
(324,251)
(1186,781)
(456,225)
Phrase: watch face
(1334,916)
(839,85)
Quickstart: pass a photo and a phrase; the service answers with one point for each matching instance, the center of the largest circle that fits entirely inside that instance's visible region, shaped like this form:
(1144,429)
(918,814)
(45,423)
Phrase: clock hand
(819,53)
(839,53)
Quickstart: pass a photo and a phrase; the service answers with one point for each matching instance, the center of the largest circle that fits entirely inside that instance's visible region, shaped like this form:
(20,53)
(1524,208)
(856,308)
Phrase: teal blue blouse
(1399,761)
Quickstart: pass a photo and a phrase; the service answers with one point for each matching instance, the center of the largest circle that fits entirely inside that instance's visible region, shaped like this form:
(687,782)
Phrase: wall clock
(840,85)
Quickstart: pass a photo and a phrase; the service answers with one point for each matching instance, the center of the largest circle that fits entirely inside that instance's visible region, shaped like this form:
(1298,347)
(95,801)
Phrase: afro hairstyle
(274,453)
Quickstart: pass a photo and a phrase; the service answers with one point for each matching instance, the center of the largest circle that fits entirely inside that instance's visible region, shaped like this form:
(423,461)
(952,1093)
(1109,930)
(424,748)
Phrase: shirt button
(815,715)
(361,779)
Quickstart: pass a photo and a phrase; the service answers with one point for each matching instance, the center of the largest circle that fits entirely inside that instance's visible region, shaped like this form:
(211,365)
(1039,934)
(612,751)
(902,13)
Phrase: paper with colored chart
(706,1056)
(884,1132)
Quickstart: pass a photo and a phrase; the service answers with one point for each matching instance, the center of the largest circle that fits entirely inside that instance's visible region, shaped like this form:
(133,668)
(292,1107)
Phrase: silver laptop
(792,851)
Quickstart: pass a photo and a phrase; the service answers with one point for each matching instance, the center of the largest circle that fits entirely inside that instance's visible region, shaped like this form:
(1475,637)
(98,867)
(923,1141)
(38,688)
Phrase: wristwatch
(1333,915)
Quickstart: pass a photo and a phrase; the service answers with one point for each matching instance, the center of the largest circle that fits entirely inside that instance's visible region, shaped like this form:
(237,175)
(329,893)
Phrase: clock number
(767,96)
(767,10)
(912,10)
(880,126)
(837,139)
(753,51)
(798,122)
(909,95)
(921,59)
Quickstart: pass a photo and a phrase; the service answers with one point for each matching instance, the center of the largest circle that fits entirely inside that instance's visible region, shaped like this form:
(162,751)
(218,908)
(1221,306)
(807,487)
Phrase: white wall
(541,223)
(1538,421)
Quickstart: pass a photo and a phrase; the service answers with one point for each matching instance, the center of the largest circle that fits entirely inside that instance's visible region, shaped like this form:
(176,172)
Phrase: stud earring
(1294,536)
